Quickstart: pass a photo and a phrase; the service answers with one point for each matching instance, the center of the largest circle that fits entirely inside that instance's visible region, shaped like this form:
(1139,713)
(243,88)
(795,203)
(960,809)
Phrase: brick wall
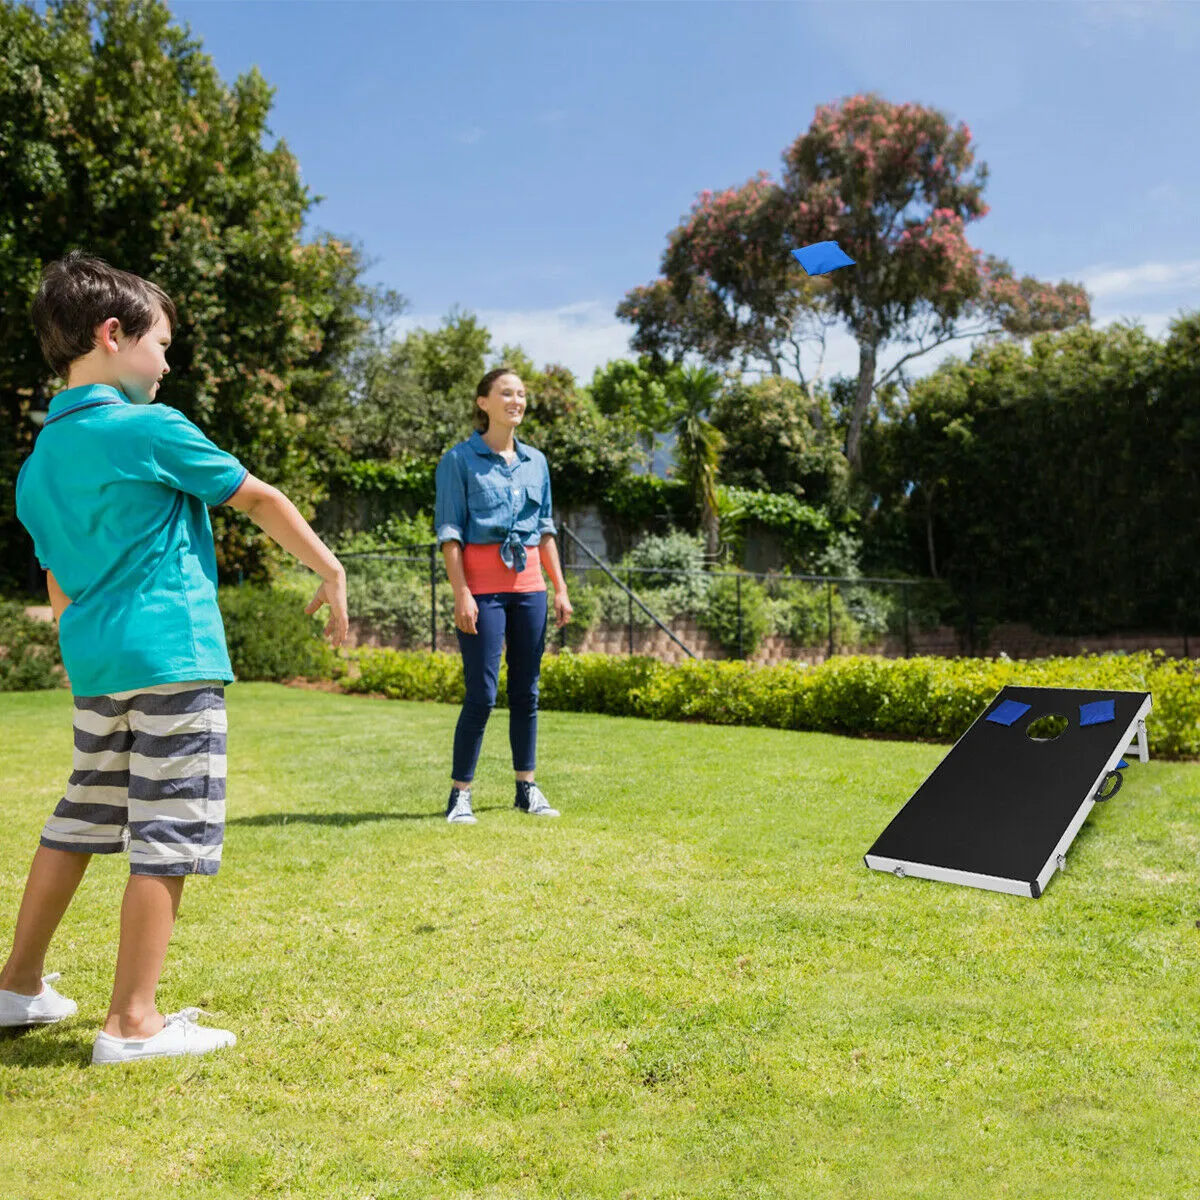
(1017,641)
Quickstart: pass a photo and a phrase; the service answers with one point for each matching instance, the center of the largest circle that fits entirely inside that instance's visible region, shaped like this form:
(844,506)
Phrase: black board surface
(1000,803)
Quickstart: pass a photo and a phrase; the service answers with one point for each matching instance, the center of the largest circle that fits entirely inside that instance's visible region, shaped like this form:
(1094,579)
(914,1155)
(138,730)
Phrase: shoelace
(186,1016)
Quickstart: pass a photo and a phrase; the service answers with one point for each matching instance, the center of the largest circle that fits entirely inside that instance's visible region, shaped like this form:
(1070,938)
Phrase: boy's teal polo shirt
(115,496)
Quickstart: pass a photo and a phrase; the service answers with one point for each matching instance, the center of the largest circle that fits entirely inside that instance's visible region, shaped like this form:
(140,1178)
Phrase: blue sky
(526,161)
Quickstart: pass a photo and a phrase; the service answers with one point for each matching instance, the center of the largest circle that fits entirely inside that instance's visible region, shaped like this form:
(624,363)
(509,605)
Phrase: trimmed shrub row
(918,698)
(270,636)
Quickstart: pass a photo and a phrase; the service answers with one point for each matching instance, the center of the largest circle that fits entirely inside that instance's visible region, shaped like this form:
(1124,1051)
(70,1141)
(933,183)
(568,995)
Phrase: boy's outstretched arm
(280,520)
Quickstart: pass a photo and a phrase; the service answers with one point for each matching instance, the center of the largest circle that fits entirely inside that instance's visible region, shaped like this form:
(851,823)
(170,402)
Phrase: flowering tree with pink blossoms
(895,185)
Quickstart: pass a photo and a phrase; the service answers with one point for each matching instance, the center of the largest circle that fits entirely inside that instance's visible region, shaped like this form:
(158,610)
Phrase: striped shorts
(149,776)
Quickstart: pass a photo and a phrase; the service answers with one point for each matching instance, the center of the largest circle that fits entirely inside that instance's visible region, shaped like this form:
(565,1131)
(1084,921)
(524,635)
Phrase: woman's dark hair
(483,388)
(79,292)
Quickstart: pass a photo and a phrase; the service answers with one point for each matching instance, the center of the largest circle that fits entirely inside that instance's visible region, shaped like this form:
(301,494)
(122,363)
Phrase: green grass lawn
(689,986)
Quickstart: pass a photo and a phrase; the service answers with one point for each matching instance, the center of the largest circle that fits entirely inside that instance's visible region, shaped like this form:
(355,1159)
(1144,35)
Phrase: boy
(115,496)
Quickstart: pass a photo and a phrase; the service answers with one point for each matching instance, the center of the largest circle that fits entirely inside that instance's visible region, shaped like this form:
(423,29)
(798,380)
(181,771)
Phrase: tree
(117,136)
(413,398)
(638,393)
(1056,483)
(587,451)
(896,186)
(698,444)
(771,443)
(727,293)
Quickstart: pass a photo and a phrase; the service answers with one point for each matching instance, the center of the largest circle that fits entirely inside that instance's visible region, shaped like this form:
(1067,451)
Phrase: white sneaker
(458,808)
(43,1009)
(538,805)
(180,1035)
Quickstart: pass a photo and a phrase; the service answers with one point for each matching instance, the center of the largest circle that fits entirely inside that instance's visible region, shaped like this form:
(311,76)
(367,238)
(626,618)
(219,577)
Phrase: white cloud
(841,356)
(1155,324)
(1165,193)
(841,352)
(580,336)
(469,137)
(1122,14)
(586,335)
(1144,279)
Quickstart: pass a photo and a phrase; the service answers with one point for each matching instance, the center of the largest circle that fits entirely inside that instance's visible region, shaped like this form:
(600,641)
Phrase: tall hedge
(1057,484)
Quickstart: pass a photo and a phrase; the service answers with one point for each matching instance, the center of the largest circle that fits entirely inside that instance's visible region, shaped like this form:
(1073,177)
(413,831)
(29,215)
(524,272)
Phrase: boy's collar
(87,393)
(481,447)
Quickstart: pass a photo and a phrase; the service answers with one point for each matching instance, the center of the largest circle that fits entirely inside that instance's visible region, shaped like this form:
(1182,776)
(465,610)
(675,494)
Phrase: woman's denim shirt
(482,500)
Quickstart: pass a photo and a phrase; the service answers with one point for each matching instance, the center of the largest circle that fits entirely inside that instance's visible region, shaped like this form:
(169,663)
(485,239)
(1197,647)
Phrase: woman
(494,527)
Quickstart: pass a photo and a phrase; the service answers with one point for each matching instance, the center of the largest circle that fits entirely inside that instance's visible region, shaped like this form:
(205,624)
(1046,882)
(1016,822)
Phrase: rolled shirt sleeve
(450,503)
(546,512)
(183,458)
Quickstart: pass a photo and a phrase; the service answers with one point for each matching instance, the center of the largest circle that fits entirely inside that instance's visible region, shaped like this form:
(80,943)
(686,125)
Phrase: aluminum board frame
(1061,777)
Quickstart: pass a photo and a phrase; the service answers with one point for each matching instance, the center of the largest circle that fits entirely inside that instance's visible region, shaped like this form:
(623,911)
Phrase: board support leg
(1140,743)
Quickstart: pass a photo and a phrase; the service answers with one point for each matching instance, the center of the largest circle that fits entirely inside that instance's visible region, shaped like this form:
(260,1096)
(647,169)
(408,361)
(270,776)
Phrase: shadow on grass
(275,820)
(32,1046)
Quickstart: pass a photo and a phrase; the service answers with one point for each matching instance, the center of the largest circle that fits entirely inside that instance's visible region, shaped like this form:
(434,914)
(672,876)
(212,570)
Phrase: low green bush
(668,604)
(586,610)
(29,654)
(370,491)
(930,698)
(802,614)
(641,499)
(412,675)
(599,683)
(870,610)
(737,614)
(397,533)
(657,580)
(390,599)
(793,608)
(803,530)
(270,636)
(659,560)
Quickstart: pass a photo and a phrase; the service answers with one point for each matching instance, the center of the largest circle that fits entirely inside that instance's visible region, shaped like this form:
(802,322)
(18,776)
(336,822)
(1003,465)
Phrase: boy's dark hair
(483,387)
(79,292)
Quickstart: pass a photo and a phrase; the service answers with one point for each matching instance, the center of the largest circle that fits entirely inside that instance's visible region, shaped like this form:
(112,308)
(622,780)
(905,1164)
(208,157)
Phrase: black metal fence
(386,586)
(772,582)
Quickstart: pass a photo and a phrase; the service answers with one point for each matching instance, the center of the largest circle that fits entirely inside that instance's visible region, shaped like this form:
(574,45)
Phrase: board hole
(1047,728)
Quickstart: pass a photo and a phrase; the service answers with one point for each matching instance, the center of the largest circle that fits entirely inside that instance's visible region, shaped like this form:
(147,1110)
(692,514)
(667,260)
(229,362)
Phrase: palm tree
(698,444)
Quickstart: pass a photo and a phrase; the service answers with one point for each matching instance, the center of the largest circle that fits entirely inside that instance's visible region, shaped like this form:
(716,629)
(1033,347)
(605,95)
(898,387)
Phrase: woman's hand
(465,611)
(562,608)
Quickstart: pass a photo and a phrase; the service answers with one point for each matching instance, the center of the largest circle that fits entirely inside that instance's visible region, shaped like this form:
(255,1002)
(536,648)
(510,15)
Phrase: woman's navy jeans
(520,619)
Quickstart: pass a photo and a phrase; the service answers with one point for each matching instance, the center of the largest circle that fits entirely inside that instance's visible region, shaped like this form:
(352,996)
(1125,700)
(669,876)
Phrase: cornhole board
(1001,808)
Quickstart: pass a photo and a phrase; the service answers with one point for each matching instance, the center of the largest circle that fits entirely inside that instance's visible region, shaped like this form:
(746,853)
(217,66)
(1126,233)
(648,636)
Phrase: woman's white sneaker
(180,1035)
(531,800)
(43,1009)
(458,807)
